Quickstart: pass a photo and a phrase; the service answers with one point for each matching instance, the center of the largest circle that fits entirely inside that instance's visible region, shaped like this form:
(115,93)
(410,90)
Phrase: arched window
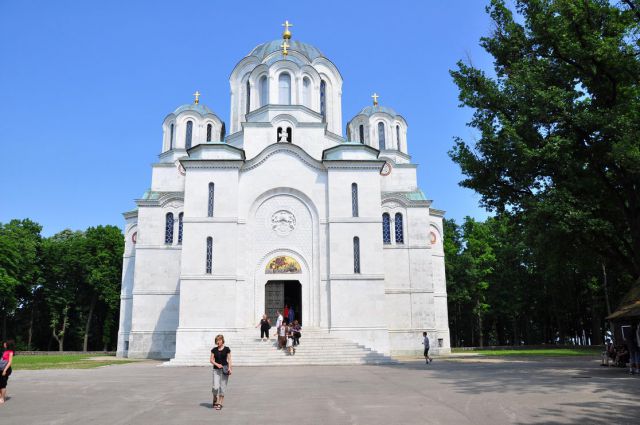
(168,228)
(398,137)
(306,92)
(264,90)
(323,100)
(223,131)
(386,228)
(188,135)
(289,134)
(381,141)
(361,133)
(284,85)
(248,90)
(356,255)
(209,129)
(399,230)
(210,202)
(354,200)
(171,137)
(209,264)
(180,216)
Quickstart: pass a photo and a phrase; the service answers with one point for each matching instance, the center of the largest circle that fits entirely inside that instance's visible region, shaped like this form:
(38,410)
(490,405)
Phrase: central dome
(265,49)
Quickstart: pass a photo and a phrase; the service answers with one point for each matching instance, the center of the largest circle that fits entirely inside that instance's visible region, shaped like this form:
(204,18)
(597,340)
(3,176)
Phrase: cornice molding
(288,148)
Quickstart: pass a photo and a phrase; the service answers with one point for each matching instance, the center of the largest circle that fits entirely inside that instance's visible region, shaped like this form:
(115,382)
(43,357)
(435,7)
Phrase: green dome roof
(199,108)
(370,110)
(265,49)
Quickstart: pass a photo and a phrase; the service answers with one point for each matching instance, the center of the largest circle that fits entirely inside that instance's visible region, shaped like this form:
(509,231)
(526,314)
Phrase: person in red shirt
(285,313)
(5,365)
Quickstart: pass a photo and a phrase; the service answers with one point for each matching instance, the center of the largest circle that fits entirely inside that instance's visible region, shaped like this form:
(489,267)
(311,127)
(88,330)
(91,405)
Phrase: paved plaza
(456,391)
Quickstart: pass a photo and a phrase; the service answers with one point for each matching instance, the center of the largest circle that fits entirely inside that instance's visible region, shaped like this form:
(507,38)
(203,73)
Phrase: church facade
(283,209)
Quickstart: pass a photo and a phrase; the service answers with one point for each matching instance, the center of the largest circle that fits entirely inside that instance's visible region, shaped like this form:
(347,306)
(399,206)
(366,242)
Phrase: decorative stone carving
(283,222)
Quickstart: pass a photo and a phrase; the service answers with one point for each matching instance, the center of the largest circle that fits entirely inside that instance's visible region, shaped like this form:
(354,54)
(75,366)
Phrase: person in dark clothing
(265,325)
(5,367)
(221,361)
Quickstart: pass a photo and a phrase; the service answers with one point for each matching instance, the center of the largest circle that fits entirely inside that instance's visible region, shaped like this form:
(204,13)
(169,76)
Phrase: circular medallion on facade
(283,222)
(433,238)
(386,169)
(181,169)
(134,237)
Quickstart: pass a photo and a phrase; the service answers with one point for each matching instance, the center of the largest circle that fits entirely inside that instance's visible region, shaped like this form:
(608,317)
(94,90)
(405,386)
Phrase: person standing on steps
(286,313)
(278,324)
(425,342)
(291,315)
(221,361)
(282,336)
(296,333)
(265,325)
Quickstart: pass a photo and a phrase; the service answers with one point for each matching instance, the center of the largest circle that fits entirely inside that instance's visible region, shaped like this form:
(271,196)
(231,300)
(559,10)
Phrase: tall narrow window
(248,90)
(354,200)
(386,228)
(264,91)
(180,216)
(168,228)
(188,135)
(171,137)
(398,137)
(284,85)
(399,230)
(381,141)
(306,92)
(361,129)
(209,129)
(323,100)
(210,202)
(356,255)
(209,264)
(223,131)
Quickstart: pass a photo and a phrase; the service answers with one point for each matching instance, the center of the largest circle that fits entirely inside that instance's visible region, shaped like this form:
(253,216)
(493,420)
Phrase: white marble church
(283,209)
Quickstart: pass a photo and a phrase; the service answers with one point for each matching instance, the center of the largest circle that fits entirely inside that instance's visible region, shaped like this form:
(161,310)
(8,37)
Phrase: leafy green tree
(559,123)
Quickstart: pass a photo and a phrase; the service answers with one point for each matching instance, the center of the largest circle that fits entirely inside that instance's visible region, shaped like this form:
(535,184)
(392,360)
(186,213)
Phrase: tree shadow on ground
(618,393)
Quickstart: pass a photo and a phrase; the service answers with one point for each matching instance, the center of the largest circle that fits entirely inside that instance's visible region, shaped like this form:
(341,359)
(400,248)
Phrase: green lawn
(65,361)
(551,352)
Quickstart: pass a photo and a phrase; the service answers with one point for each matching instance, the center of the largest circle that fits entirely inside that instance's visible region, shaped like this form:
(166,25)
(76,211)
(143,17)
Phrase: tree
(559,123)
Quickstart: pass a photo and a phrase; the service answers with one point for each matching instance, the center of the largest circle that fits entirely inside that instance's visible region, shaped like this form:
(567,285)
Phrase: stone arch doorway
(278,293)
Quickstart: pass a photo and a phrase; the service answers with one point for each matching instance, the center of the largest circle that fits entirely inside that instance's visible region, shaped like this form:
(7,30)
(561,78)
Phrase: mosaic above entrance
(283,264)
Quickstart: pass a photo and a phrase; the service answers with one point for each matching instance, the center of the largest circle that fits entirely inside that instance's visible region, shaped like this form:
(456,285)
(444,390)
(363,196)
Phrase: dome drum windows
(306,92)
(381,137)
(209,131)
(263,87)
(171,136)
(188,135)
(284,89)
(361,133)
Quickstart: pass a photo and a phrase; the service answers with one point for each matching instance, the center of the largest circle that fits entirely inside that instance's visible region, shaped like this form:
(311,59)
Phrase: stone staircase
(317,347)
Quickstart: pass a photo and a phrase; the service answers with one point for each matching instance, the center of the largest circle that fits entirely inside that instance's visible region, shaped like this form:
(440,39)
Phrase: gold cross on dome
(286,26)
(197,95)
(375,99)
(285,46)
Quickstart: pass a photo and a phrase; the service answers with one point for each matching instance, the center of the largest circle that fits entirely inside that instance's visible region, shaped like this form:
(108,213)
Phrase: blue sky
(84,87)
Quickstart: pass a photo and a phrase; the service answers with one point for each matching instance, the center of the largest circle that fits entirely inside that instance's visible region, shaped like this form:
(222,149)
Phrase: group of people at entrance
(288,329)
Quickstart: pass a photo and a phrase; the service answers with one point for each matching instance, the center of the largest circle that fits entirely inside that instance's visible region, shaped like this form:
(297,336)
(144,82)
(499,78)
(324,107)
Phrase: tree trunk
(480,333)
(87,327)
(59,336)
(30,330)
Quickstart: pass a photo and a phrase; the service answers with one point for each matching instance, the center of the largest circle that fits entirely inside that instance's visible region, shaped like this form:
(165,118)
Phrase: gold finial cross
(375,99)
(197,95)
(285,46)
(286,34)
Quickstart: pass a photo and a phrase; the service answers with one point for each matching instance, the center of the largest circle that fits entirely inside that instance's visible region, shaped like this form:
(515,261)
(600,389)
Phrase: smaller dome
(370,110)
(199,108)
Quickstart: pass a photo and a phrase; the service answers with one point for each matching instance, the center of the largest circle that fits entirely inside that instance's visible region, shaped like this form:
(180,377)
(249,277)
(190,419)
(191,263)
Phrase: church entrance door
(278,293)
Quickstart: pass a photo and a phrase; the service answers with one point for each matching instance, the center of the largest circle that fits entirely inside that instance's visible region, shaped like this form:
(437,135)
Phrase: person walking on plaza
(265,325)
(285,312)
(5,367)
(221,361)
(425,342)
